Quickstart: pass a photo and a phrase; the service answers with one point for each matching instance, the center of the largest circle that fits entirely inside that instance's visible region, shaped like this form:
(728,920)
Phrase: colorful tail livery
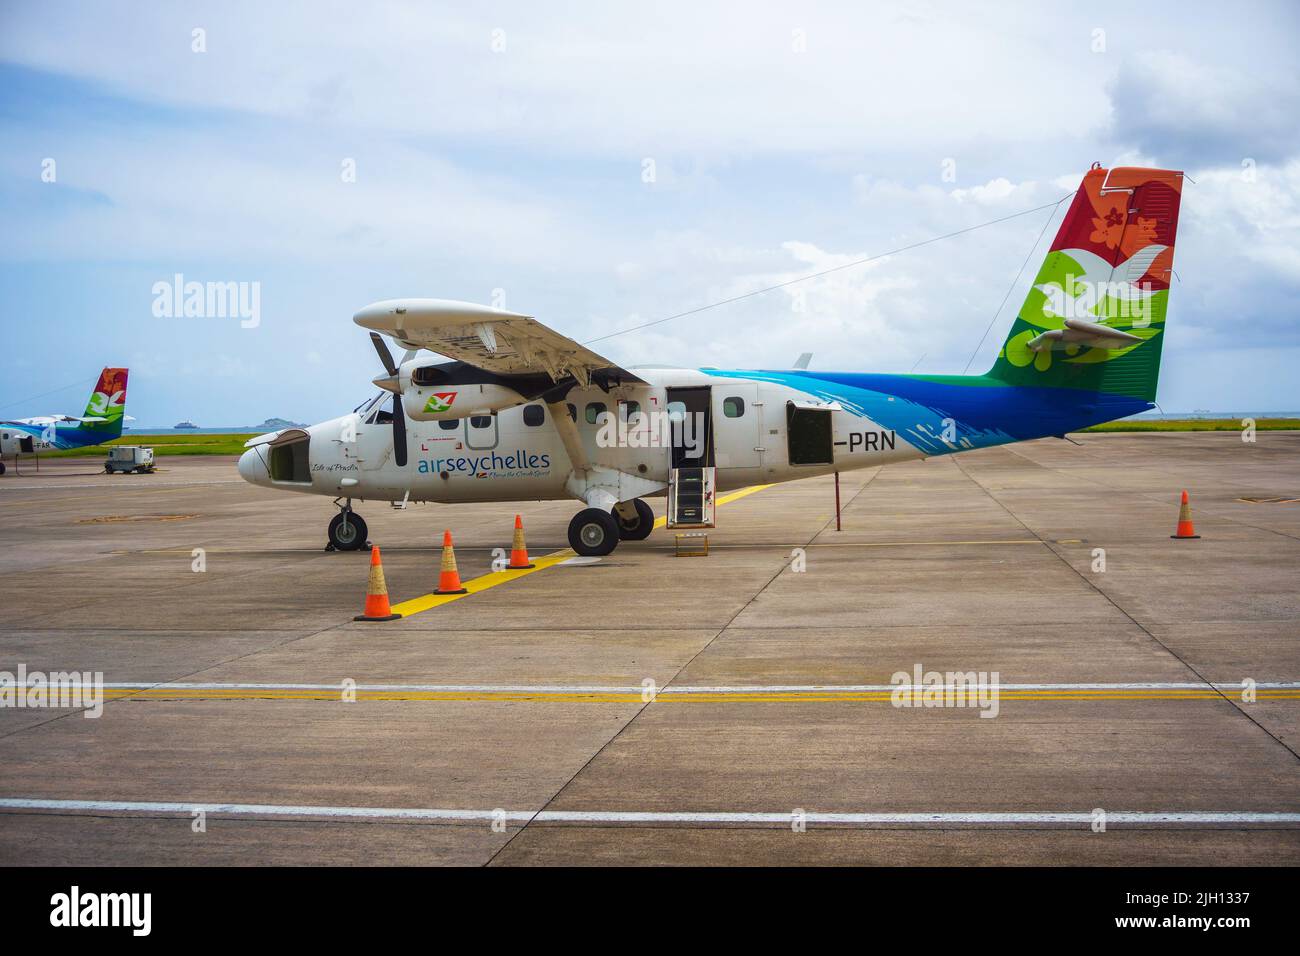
(107,405)
(101,421)
(1107,272)
(1084,348)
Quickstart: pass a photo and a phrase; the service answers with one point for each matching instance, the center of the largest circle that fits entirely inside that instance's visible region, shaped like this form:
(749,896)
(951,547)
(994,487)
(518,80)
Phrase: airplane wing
(48,420)
(501,342)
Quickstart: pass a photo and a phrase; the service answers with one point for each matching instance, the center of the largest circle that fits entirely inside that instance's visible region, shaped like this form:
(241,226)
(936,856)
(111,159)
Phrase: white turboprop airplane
(102,421)
(522,412)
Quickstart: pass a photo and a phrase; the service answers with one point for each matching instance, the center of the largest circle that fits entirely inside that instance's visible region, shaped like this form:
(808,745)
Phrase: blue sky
(500,151)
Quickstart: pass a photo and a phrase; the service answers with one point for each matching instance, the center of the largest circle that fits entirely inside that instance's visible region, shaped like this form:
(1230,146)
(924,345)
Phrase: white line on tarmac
(92,486)
(692,689)
(924,819)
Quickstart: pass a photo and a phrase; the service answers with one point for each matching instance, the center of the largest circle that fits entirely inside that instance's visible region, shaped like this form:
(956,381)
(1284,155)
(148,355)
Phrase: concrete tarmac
(577,713)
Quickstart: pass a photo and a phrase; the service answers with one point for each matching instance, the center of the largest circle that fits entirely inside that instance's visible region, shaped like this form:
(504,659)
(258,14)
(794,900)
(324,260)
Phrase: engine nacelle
(439,402)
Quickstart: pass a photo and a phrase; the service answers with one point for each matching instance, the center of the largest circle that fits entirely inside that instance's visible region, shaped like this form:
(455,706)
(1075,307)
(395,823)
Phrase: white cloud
(607,79)
(1173,103)
(522,170)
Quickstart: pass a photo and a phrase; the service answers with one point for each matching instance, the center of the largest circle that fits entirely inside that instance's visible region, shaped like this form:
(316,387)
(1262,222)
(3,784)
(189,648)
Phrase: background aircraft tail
(1095,316)
(107,402)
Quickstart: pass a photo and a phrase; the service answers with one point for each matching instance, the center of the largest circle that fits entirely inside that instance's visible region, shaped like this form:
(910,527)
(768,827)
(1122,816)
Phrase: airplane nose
(251,467)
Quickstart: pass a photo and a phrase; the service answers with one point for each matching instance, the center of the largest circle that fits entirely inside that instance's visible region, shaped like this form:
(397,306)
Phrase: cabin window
(677,412)
(480,421)
(534,415)
(594,411)
(449,424)
(733,406)
(629,411)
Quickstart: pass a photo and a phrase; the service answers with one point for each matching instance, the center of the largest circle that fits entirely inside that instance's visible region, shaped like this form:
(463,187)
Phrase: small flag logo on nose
(440,402)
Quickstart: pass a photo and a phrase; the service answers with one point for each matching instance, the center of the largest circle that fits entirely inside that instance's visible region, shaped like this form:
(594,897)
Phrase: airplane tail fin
(106,408)
(1095,316)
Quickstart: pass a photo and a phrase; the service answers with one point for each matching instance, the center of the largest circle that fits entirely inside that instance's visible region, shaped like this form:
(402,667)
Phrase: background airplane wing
(501,342)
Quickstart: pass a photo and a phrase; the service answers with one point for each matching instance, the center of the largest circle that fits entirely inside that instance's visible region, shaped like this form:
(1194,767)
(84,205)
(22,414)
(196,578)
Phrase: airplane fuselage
(29,436)
(517,454)
(520,411)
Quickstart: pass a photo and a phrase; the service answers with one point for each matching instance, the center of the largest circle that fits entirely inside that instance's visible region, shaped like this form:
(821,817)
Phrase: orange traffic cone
(1185,528)
(377,608)
(518,550)
(449,578)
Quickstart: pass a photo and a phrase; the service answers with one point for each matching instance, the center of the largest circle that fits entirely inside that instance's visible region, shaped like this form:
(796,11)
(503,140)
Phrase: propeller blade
(385,356)
(399,432)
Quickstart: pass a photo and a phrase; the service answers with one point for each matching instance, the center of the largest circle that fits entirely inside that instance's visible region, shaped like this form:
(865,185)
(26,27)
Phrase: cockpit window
(383,415)
(369,404)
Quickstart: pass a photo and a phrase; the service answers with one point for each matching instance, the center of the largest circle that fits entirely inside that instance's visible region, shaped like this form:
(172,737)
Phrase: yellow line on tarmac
(918,544)
(492,579)
(489,580)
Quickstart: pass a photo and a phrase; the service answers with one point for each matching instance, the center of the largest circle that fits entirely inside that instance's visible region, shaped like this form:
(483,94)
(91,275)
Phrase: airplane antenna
(62,388)
(1011,288)
(826,272)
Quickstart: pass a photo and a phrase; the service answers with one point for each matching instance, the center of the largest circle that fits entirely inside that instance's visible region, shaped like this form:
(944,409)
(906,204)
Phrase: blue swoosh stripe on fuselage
(983,415)
(64,438)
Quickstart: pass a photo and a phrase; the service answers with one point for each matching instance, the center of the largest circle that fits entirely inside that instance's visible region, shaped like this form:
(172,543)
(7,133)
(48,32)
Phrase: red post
(837,502)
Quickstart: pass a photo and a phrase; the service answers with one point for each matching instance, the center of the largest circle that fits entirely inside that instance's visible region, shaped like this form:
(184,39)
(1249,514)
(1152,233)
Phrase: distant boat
(185,424)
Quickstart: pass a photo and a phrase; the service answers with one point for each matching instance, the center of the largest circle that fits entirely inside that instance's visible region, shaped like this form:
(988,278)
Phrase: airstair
(690,497)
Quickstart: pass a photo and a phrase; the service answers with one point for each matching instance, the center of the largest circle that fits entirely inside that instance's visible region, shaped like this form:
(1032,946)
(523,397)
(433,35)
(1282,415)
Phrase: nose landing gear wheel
(593,533)
(347,532)
(639,528)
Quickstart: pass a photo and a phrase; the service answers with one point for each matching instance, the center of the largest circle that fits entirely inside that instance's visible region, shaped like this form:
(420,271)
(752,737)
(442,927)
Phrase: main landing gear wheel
(639,528)
(593,533)
(347,532)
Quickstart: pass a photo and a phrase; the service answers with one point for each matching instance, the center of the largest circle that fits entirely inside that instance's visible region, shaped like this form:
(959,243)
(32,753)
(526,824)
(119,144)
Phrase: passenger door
(737,426)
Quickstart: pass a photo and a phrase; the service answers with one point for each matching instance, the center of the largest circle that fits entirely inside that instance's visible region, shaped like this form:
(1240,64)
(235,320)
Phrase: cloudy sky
(603,165)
